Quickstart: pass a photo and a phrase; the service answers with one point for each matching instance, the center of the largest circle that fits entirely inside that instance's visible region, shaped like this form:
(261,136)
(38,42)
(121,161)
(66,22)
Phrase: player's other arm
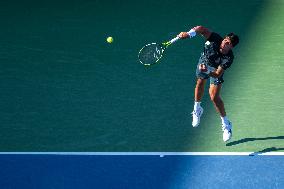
(205,32)
(212,73)
(217,73)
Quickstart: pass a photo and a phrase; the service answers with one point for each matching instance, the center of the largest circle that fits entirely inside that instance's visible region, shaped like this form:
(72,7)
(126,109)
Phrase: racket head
(151,53)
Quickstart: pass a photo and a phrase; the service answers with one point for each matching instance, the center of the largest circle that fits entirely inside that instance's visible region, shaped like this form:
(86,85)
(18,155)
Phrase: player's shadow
(244,140)
(272,149)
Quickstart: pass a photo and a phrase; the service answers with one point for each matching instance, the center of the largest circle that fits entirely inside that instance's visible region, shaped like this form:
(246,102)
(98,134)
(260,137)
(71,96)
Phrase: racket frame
(163,48)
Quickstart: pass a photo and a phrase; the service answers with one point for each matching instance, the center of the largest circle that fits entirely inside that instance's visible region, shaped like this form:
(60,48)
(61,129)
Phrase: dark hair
(234,38)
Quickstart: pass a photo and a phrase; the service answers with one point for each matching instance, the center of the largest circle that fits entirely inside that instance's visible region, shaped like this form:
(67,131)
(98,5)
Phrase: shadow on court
(271,149)
(244,140)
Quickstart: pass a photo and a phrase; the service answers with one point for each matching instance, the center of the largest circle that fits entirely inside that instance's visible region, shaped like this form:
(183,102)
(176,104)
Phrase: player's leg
(214,92)
(198,94)
(199,89)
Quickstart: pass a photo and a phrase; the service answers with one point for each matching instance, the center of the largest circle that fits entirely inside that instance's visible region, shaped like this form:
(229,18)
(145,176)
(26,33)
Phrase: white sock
(197,105)
(224,120)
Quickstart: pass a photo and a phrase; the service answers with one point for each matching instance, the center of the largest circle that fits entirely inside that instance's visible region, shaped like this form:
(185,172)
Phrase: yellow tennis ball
(109,39)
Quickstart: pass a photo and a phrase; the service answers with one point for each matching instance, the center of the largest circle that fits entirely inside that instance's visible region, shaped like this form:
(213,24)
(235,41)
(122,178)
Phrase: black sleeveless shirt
(212,55)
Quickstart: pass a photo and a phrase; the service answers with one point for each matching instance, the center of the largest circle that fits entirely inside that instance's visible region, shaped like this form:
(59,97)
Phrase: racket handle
(174,39)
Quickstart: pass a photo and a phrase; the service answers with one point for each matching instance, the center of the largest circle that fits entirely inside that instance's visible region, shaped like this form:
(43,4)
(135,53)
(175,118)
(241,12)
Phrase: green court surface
(63,88)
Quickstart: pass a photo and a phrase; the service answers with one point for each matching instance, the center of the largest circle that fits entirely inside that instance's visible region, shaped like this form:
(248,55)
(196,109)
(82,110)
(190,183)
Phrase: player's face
(226,45)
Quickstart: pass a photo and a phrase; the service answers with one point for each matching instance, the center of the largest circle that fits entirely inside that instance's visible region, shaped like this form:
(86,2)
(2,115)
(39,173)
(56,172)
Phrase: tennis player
(216,58)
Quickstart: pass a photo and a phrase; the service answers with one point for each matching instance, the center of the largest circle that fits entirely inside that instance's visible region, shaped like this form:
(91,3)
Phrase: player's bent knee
(215,98)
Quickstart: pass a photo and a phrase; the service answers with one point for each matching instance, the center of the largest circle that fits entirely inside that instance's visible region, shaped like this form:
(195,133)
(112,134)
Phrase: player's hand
(203,68)
(183,35)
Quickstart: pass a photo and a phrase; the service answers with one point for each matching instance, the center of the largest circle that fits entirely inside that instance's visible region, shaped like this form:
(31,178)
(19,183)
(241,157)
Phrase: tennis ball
(109,39)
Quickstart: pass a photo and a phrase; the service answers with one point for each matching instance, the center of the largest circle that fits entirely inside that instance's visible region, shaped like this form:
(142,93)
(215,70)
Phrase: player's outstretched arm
(205,32)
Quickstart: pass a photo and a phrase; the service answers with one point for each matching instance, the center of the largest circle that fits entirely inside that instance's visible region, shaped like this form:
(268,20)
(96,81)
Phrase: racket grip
(174,39)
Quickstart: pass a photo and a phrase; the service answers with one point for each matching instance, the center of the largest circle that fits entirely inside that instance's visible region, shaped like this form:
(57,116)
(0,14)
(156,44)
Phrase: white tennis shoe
(196,115)
(227,131)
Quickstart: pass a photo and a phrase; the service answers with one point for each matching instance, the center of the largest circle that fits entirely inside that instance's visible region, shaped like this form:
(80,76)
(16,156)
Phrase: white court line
(146,153)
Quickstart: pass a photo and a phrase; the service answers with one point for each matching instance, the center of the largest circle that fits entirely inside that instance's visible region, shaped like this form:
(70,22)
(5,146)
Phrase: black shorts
(202,75)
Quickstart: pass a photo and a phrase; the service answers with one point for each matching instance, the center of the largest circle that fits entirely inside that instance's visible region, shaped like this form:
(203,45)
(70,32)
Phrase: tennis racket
(153,52)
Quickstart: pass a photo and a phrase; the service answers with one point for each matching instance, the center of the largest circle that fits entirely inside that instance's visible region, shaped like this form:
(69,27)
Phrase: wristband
(191,33)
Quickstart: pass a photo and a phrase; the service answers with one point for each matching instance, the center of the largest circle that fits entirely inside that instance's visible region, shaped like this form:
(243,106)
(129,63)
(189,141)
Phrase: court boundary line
(146,153)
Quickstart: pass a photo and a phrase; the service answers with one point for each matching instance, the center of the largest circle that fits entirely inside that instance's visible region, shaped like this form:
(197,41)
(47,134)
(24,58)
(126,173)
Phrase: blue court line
(140,171)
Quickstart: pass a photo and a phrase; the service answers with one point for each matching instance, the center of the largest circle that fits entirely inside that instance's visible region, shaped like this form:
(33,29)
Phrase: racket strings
(150,54)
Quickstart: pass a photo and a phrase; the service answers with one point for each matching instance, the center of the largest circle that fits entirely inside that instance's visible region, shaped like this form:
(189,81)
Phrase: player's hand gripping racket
(153,52)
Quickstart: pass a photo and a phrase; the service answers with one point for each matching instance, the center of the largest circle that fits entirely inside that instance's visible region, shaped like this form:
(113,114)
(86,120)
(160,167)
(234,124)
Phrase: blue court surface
(35,171)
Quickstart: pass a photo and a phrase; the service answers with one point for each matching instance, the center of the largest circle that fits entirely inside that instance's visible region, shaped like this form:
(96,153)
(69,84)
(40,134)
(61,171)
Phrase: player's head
(233,38)
(229,42)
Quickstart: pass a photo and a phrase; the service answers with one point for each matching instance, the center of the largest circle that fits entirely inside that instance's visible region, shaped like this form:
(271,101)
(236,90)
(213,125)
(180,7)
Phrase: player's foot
(227,131)
(196,115)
